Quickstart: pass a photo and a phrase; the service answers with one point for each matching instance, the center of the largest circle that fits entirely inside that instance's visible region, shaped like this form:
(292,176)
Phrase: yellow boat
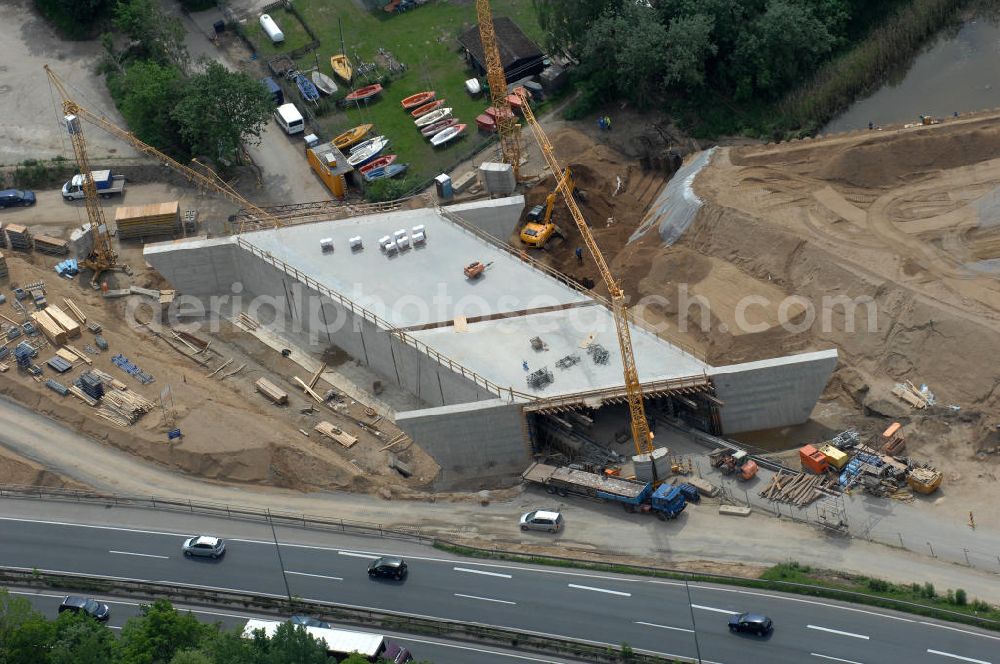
(342,67)
(351,136)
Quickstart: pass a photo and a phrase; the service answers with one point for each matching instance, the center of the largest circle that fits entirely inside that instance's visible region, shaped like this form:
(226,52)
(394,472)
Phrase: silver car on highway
(204,545)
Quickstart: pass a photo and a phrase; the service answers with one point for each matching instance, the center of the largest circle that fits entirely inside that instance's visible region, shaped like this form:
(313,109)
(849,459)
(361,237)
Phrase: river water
(958,72)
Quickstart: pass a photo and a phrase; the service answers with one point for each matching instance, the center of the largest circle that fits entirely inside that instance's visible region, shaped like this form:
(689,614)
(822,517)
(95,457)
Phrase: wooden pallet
(337,434)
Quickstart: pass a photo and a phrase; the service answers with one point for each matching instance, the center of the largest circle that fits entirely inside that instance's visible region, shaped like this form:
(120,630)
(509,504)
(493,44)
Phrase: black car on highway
(388,566)
(97,610)
(754,623)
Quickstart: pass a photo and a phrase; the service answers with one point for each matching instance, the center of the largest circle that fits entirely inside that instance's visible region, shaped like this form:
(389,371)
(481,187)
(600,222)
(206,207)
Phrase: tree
(79,639)
(689,47)
(158,633)
(565,22)
(290,645)
(220,109)
(24,632)
(159,36)
(191,657)
(75,17)
(146,93)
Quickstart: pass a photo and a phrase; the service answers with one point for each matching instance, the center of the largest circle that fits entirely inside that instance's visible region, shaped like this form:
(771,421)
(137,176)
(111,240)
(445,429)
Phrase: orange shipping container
(812,459)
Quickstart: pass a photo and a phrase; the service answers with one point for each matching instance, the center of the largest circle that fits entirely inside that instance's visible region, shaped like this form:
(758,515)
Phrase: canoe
(362,157)
(418,99)
(351,136)
(433,116)
(446,135)
(306,88)
(324,83)
(430,130)
(380,162)
(385,172)
(427,108)
(341,65)
(364,93)
(362,145)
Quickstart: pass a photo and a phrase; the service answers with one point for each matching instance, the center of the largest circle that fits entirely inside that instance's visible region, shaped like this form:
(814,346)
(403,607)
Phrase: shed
(331,166)
(520,56)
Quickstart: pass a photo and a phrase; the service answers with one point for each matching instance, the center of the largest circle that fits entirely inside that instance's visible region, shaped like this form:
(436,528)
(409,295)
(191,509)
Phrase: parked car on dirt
(16,197)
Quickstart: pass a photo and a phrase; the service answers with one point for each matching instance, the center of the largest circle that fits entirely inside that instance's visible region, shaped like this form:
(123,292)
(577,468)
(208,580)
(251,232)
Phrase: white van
(289,119)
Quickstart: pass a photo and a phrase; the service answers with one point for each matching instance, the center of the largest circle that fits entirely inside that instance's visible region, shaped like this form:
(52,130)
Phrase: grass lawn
(295,35)
(425,40)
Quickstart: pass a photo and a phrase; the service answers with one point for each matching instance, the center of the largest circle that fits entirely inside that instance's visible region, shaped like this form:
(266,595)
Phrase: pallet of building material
(67,355)
(87,399)
(148,220)
(271,391)
(18,237)
(47,244)
(94,326)
(3,267)
(58,388)
(704,487)
(64,320)
(124,407)
(59,365)
(247,322)
(909,395)
(49,328)
(336,433)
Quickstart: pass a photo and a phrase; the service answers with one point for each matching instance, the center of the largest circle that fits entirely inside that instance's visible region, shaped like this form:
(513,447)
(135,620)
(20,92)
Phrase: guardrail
(342,614)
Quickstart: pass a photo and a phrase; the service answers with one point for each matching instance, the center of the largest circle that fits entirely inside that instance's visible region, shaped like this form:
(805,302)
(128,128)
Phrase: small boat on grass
(430,130)
(341,66)
(386,172)
(351,136)
(446,135)
(362,145)
(378,162)
(306,88)
(418,99)
(362,157)
(323,83)
(427,108)
(366,92)
(433,116)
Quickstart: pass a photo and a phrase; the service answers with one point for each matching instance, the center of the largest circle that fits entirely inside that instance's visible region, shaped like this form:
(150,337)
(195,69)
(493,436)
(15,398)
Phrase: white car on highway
(203,545)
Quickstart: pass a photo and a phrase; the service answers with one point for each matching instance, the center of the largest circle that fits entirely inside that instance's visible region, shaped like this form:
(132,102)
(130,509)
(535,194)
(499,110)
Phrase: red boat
(430,130)
(364,93)
(418,99)
(427,108)
(381,162)
(486,123)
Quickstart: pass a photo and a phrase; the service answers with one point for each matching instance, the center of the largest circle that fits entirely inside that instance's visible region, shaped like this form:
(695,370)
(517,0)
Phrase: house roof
(512,43)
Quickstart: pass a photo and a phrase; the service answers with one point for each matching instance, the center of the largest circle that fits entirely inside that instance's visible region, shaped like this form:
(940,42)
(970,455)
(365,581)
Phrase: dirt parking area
(29,109)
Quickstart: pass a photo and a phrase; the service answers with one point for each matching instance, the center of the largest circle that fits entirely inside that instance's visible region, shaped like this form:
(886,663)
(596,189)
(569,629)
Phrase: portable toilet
(443,185)
(272,29)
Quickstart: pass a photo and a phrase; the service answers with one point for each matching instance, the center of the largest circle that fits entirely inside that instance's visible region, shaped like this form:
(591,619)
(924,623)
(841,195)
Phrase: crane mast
(507,127)
(641,435)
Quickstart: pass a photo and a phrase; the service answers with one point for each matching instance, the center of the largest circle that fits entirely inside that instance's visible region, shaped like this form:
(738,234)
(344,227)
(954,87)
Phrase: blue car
(18,197)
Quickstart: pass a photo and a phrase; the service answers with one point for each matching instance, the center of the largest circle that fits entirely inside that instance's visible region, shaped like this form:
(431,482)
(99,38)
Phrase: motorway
(650,615)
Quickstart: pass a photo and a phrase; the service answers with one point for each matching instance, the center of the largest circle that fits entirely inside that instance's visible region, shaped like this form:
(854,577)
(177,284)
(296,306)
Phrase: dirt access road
(700,538)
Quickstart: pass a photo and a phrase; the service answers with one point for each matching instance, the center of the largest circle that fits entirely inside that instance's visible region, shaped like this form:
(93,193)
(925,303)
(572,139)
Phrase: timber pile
(3,267)
(47,244)
(64,321)
(18,237)
(798,490)
(147,220)
(124,408)
(908,392)
(247,322)
(336,433)
(49,328)
(271,391)
(75,310)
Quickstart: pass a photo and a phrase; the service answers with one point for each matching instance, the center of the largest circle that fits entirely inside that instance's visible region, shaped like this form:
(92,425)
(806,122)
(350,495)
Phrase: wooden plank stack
(148,220)
(47,244)
(335,433)
(911,395)
(798,489)
(271,391)
(18,237)
(75,310)
(124,408)
(64,321)
(52,331)
(3,267)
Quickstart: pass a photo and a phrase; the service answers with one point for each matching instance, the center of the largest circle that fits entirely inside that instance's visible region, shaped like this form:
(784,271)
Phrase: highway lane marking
(676,629)
(837,631)
(352,554)
(480,571)
(482,650)
(317,576)
(141,555)
(964,659)
(963,631)
(599,590)
(802,601)
(485,599)
(711,608)
(834,659)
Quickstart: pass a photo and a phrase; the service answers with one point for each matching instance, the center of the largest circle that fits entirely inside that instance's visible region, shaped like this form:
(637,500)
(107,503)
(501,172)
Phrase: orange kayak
(427,108)
(418,99)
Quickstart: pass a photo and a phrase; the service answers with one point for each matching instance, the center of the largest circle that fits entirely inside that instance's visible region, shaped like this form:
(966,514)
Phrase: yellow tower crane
(94,211)
(507,127)
(641,435)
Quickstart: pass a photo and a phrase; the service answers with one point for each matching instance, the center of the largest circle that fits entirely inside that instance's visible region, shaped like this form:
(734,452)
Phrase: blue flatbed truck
(666,501)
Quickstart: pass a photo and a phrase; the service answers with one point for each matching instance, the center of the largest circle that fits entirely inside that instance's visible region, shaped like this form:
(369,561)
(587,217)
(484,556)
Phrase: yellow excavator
(539,228)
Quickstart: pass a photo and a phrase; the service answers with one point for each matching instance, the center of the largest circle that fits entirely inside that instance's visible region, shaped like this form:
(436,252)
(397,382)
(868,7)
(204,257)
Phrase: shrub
(961,599)
(929,592)
(878,585)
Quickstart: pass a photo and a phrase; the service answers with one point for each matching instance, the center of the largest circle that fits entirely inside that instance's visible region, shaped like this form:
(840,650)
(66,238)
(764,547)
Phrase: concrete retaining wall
(498,217)
(199,267)
(772,393)
(475,444)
